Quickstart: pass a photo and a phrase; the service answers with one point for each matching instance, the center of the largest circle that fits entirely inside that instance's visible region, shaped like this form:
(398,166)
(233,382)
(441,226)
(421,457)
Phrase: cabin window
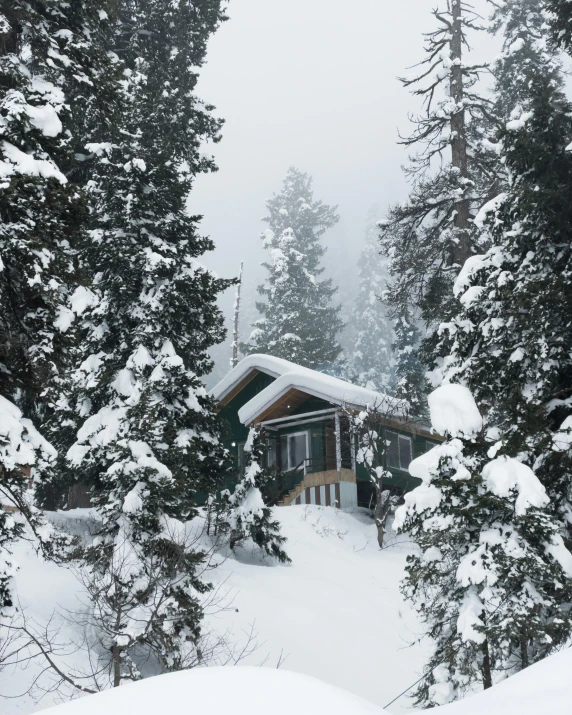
(293,450)
(271,453)
(241,458)
(429,446)
(399,451)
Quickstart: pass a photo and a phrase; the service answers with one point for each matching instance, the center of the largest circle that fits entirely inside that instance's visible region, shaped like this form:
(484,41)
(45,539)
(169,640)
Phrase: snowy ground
(335,613)
(544,688)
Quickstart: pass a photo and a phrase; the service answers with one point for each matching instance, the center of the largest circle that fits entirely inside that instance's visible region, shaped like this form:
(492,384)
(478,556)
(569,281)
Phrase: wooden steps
(317,479)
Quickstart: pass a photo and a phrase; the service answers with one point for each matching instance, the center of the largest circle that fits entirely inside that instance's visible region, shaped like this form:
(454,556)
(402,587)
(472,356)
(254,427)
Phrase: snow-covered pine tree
(561,22)
(48,69)
(508,344)
(299,322)
(411,383)
(147,434)
(491,558)
(46,58)
(372,362)
(428,238)
(509,341)
(246,516)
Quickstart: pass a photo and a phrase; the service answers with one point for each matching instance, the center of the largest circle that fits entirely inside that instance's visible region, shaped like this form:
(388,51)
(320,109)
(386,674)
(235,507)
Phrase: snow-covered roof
(290,376)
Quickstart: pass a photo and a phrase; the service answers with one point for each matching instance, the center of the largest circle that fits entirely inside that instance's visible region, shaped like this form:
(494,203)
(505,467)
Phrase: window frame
(241,457)
(295,434)
(399,436)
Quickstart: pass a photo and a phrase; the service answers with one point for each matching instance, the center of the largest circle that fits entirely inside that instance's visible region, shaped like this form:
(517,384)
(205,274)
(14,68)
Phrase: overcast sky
(310,83)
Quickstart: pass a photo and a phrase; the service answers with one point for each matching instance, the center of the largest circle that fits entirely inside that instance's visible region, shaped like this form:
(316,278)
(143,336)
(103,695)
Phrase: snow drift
(219,691)
(543,688)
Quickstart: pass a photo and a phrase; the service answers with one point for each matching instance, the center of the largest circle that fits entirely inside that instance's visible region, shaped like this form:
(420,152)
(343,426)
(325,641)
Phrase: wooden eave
(237,389)
(284,406)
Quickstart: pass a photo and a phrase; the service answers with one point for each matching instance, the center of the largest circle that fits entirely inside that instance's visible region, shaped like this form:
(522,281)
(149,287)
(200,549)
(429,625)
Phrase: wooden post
(353,450)
(338,444)
(234,360)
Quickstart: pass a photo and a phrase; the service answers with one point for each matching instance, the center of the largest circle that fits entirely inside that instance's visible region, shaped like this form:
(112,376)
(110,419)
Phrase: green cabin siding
(233,429)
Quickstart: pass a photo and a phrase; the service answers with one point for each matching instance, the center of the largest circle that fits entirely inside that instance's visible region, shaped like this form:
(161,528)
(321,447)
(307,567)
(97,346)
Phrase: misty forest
(285,357)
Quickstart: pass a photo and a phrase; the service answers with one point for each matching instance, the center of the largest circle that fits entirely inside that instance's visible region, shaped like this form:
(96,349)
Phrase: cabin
(305,416)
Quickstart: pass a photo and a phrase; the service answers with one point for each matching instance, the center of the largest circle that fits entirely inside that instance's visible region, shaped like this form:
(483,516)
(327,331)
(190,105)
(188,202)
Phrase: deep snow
(543,689)
(220,691)
(335,613)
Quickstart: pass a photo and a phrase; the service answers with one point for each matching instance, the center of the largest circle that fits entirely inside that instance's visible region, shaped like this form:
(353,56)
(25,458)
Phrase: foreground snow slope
(221,691)
(544,689)
(335,613)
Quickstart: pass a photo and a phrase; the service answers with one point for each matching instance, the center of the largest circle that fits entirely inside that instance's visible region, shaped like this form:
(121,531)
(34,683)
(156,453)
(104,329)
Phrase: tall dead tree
(236,320)
(452,172)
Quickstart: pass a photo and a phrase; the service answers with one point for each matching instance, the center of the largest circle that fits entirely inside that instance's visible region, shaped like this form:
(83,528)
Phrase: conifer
(428,237)
(147,441)
(372,362)
(298,322)
(491,562)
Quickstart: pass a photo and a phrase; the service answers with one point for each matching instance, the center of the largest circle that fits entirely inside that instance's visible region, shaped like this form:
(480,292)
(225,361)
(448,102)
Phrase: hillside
(335,613)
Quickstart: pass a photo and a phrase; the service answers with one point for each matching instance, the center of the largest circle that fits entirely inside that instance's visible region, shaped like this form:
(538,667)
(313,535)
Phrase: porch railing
(286,481)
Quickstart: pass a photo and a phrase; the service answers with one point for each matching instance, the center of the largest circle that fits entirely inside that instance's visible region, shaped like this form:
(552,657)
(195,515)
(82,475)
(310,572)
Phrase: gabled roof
(289,379)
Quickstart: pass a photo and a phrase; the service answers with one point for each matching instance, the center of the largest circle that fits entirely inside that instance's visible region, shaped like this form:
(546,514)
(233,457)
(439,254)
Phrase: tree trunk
(381,512)
(462,248)
(487,675)
(524,651)
(116,657)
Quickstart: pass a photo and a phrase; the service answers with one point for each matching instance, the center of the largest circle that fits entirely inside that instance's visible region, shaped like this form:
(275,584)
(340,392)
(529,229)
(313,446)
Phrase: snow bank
(542,689)
(220,691)
(454,411)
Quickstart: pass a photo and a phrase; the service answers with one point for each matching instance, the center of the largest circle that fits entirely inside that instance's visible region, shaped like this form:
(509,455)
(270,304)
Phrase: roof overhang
(292,386)
(244,372)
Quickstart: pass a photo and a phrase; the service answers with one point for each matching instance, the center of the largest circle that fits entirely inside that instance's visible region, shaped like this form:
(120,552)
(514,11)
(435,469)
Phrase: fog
(310,83)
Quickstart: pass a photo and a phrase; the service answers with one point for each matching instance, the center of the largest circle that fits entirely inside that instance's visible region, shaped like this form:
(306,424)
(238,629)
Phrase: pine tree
(247,517)
(428,238)
(560,22)
(412,383)
(508,341)
(48,77)
(372,361)
(299,323)
(491,558)
(147,433)
(43,62)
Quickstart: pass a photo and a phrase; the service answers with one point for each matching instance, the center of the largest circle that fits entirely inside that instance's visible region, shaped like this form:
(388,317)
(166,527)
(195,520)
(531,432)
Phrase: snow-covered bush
(245,514)
(24,454)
